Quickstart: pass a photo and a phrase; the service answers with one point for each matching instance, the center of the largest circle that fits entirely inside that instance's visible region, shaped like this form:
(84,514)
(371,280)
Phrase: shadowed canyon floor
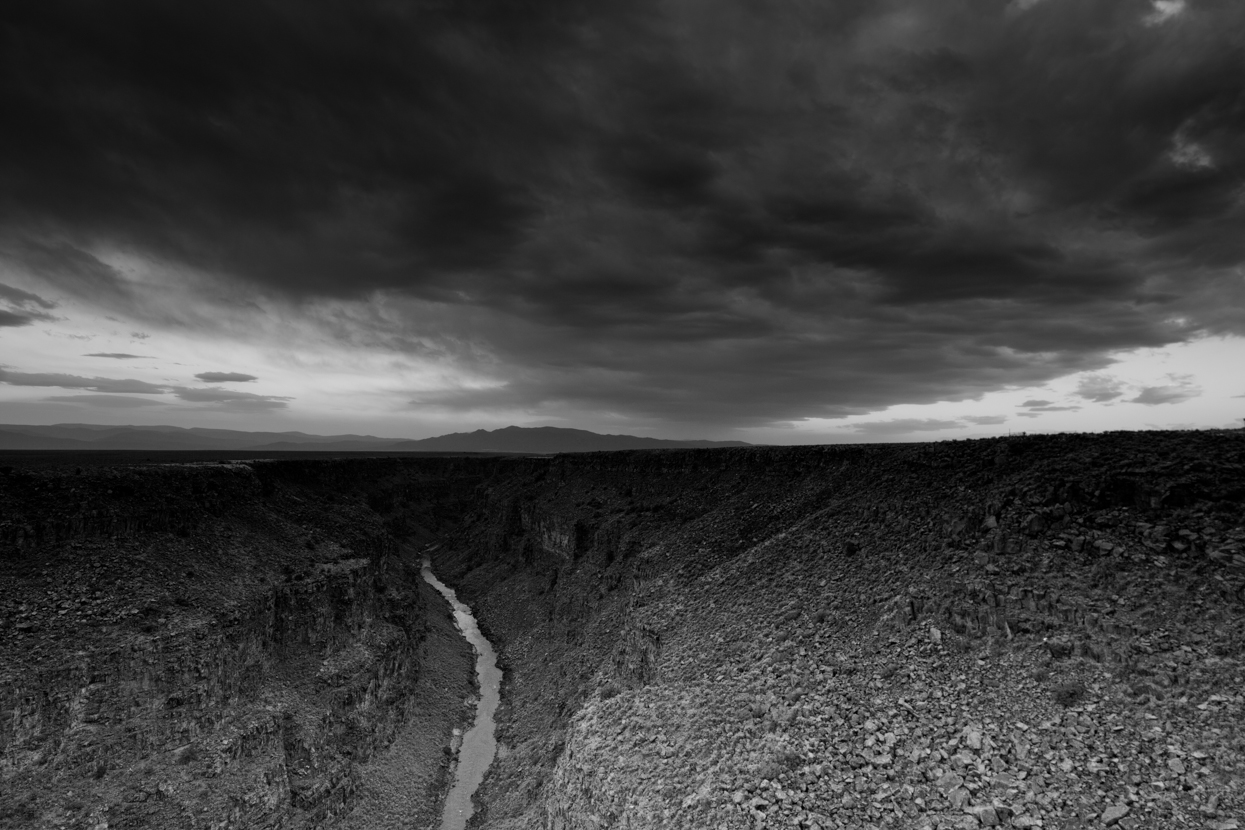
(1042,631)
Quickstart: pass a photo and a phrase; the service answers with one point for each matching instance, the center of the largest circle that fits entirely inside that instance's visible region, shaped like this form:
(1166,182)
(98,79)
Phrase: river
(480,743)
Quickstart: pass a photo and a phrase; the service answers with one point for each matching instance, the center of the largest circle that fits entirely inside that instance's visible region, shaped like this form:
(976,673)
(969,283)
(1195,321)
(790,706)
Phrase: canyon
(1034,631)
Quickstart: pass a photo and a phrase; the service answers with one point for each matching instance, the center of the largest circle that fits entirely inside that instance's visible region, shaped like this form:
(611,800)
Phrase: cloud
(1164,10)
(18,297)
(24,308)
(107,385)
(9,318)
(901,426)
(1034,406)
(1099,388)
(228,399)
(107,401)
(62,265)
(113,390)
(1154,395)
(116,355)
(730,214)
(1190,156)
(225,377)
(985,420)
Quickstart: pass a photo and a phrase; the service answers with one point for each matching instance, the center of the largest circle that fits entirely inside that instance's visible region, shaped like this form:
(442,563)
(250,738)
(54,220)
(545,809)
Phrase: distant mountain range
(507,439)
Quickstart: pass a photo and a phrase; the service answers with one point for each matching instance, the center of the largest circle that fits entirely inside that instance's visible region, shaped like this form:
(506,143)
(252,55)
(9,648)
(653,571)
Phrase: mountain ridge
(541,440)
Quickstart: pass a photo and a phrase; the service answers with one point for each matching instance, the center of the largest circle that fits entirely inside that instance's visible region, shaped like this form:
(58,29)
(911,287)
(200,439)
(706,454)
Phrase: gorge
(1037,631)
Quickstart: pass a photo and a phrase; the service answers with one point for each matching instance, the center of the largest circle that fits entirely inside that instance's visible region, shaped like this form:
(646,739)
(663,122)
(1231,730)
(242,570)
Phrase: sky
(779,221)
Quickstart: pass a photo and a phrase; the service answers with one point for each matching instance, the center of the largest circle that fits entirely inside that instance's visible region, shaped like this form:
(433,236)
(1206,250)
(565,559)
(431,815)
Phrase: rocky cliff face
(205,645)
(1042,631)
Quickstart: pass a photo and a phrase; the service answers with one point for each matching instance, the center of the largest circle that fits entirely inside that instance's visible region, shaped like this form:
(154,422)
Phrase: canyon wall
(207,645)
(849,636)
(1042,631)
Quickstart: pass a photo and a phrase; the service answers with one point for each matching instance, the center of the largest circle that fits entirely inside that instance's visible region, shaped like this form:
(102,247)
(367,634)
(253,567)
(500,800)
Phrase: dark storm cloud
(18,297)
(729,212)
(225,377)
(116,355)
(24,308)
(109,385)
(62,264)
(17,318)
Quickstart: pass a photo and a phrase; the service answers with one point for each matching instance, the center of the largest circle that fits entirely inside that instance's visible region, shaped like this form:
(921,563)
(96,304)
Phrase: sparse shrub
(1070,694)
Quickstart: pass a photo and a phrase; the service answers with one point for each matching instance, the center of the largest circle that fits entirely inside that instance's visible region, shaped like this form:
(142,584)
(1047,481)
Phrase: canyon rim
(1041,631)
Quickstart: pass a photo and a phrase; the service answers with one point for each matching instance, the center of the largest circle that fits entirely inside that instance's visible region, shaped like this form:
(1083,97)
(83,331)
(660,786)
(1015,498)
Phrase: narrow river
(480,743)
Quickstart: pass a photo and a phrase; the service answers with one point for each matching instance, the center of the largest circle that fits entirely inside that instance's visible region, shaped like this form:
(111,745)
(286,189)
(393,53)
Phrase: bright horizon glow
(338,390)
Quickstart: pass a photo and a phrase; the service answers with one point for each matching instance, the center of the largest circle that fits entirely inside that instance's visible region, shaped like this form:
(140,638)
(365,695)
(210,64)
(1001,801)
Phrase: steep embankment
(1040,631)
(212,645)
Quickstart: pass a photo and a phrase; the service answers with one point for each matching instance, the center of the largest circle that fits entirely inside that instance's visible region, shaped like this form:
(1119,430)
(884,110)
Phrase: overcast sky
(772,220)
